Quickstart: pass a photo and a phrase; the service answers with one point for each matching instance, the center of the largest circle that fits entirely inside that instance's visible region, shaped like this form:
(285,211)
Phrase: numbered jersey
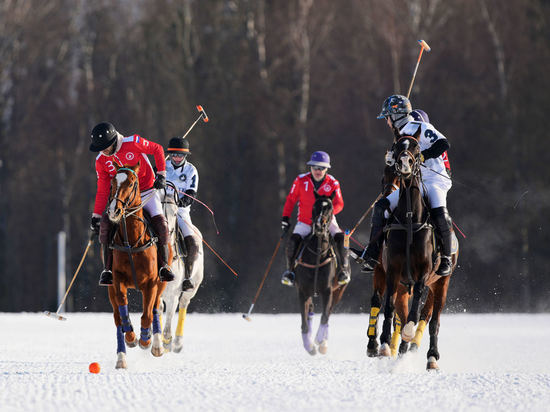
(134,149)
(427,135)
(302,191)
(183,177)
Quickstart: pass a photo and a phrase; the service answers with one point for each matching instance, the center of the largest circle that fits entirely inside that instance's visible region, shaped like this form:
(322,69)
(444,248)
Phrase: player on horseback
(186,179)
(302,191)
(128,151)
(436,181)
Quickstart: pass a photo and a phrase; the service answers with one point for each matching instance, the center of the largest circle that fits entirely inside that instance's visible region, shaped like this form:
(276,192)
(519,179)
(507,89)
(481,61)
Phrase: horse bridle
(130,199)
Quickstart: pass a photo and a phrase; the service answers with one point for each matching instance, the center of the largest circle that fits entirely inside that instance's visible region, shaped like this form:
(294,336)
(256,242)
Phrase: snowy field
(488,363)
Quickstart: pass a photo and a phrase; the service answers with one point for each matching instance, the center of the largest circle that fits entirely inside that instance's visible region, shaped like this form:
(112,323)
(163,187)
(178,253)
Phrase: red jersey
(302,192)
(134,149)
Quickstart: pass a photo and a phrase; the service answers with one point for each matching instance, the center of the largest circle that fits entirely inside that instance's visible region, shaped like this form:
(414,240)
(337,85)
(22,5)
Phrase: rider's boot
(106,277)
(160,226)
(342,255)
(105,233)
(192,253)
(443,223)
(371,253)
(291,250)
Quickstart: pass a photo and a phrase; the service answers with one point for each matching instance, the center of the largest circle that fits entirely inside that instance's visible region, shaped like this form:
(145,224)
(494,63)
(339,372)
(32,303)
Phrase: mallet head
(203,114)
(246,317)
(54,315)
(424,45)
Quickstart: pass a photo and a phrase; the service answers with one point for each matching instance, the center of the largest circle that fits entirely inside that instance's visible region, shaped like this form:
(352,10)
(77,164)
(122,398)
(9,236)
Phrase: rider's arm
(155,149)
(292,198)
(338,201)
(103,188)
(437,149)
(193,180)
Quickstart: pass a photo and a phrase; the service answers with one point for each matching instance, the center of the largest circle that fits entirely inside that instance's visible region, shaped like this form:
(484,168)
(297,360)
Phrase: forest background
(279,80)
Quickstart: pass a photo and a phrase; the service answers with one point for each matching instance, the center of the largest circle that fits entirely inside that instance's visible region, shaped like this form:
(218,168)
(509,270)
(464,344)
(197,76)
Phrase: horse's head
(407,157)
(322,213)
(124,191)
(169,199)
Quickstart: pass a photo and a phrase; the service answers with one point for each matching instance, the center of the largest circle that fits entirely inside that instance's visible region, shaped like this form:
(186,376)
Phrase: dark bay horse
(315,274)
(407,257)
(134,265)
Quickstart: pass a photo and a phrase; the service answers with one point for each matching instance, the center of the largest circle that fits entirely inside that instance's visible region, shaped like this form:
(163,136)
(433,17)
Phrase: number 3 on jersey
(430,134)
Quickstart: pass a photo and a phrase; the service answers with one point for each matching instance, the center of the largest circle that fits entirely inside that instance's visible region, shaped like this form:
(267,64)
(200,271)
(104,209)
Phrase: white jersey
(435,168)
(183,177)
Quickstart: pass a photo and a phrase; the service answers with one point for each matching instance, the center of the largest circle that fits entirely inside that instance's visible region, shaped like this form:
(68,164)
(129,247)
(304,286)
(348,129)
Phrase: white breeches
(185,224)
(152,202)
(303,229)
(435,189)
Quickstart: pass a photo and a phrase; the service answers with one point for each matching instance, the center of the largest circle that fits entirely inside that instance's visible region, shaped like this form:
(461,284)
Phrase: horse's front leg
(410,328)
(379,286)
(171,304)
(440,296)
(148,304)
(425,315)
(306,313)
(385,337)
(119,302)
(321,338)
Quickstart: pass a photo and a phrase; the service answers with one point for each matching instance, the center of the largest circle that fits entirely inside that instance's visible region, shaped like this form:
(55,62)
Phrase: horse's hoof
(312,351)
(177,349)
(414,347)
(372,353)
(403,348)
(323,347)
(178,344)
(384,351)
(121,361)
(432,364)
(407,334)
(157,352)
(132,343)
(144,344)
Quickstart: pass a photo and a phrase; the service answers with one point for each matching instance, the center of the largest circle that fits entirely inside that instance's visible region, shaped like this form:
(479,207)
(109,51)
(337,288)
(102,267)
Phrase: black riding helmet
(395,106)
(178,145)
(103,135)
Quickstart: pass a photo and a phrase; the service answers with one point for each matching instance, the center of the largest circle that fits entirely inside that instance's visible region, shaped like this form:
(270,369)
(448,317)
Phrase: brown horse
(134,265)
(407,257)
(315,273)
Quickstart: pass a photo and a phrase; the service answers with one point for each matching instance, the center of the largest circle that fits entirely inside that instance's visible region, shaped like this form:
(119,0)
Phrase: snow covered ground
(488,362)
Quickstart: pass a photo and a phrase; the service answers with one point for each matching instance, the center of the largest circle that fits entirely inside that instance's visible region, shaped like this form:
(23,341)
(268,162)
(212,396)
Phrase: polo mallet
(202,116)
(56,315)
(247,315)
(423,46)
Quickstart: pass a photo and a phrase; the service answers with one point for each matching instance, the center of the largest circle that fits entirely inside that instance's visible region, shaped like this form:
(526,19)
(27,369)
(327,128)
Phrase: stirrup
(369,265)
(165,274)
(106,278)
(186,285)
(288,278)
(444,269)
(343,278)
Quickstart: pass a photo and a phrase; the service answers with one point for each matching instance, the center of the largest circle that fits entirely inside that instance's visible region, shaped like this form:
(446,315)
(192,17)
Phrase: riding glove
(160,182)
(94,226)
(285,224)
(185,201)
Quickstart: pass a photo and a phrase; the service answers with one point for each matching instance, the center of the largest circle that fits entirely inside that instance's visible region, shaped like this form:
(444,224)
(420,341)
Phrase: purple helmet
(420,116)
(319,159)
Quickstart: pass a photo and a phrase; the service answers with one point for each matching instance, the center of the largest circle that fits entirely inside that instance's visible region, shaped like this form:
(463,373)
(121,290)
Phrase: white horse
(173,294)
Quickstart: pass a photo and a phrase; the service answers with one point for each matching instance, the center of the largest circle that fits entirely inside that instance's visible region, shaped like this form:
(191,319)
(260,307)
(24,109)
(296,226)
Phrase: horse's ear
(117,166)
(332,195)
(136,167)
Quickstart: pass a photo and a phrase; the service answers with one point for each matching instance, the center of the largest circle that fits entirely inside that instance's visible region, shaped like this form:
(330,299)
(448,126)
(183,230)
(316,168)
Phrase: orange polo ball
(94,367)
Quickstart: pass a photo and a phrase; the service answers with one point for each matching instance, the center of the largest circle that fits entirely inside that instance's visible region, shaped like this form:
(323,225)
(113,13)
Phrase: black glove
(285,225)
(160,182)
(94,227)
(187,200)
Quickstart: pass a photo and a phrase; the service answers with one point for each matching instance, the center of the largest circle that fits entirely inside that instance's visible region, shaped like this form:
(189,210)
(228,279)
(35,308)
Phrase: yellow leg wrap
(395,336)
(371,332)
(160,320)
(419,332)
(181,321)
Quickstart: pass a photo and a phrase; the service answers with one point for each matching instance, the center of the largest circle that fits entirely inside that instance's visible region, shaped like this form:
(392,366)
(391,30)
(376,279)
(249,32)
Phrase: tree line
(279,80)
